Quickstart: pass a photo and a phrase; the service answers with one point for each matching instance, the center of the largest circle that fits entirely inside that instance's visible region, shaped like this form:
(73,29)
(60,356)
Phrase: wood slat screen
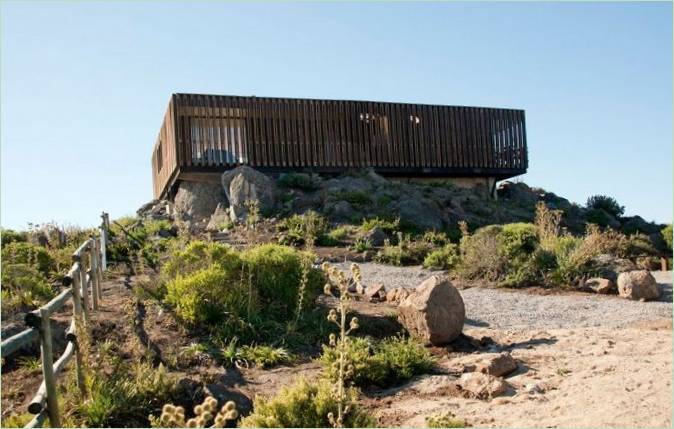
(213,133)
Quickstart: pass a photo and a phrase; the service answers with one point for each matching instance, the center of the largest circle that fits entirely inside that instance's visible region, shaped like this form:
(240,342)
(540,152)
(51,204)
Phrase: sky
(84,86)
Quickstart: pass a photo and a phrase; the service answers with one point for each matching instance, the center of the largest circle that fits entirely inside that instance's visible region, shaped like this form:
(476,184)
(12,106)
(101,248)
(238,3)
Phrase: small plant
(445,420)
(303,229)
(406,252)
(265,356)
(445,258)
(361,245)
(435,238)
(30,363)
(339,233)
(253,216)
(205,415)
(563,372)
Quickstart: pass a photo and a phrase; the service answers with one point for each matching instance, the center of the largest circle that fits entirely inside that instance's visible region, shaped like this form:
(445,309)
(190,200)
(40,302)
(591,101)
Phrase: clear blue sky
(84,86)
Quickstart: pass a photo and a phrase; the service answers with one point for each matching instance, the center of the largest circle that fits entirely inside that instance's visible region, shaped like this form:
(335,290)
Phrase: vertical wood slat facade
(209,134)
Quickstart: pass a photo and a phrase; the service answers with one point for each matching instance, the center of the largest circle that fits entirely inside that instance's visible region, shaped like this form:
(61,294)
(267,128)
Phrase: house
(204,135)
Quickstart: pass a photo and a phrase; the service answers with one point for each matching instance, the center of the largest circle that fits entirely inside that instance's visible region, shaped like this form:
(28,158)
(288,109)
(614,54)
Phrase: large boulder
(434,312)
(196,201)
(609,267)
(419,211)
(242,184)
(376,236)
(638,285)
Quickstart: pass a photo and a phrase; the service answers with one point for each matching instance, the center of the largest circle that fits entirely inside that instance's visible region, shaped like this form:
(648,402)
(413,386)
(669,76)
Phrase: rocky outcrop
(638,285)
(434,312)
(196,201)
(156,209)
(498,365)
(243,184)
(376,236)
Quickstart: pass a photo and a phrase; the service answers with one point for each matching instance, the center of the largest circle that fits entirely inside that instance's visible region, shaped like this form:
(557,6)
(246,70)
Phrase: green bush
(445,258)
(198,255)
(297,180)
(605,203)
(387,225)
(27,253)
(435,238)
(276,272)
(598,217)
(8,236)
(339,233)
(406,252)
(356,198)
(264,356)
(667,235)
(480,255)
(445,420)
(517,240)
(307,405)
(210,296)
(361,245)
(391,362)
(299,228)
(23,285)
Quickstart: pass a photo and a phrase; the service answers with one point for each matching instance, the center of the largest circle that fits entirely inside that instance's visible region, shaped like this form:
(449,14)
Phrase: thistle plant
(338,280)
(205,415)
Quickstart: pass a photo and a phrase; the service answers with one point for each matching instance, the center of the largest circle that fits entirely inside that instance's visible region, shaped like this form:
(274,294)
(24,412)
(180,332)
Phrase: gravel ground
(507,309)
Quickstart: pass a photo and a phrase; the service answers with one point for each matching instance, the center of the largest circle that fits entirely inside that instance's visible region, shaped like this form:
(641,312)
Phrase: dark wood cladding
(209,134)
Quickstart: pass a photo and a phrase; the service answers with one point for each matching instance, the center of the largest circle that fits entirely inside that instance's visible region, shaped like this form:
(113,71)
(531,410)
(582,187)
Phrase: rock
(482,386)
(609,267)
(242,184)
(375,292)
(196,201)
(600,285)
(499,365)
(434,313)
(376,236)
(638,285)
(402,294)
(419,211)
(392,294)
(218,218)
(341,210)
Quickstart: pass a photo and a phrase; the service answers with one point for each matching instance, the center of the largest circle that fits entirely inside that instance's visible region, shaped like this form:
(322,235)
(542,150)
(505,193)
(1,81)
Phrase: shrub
(297,180)
(356,198)
(276,272)
(517,240)
(406,252)
(386,225)
(435,238)
(23,285)
(605,203)
(198,255)
(8,236)
(445,258)
(264,356)
(361,245)
(480,256)
(305,404)
(125,396)
(667,235)
(307,227)
(445,420)
(27,253)
(339,233)
(598,217)
(392,361)
(209,296)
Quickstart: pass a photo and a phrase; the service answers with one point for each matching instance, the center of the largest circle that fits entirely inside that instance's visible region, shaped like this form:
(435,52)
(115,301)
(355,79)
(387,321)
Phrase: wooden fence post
(85,293)
(92,272)
(48,369)
(99,269)
(104,241)
(73,334)
(77,297)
